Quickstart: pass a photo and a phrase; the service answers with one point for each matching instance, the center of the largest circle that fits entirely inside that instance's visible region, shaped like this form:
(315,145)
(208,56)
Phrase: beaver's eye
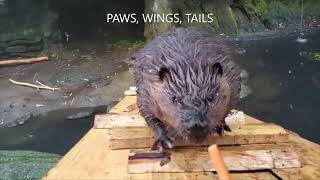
(174,100)
(210,98)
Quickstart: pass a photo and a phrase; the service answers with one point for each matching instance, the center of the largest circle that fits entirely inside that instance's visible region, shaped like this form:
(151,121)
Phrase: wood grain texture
(92,159)
(122,106)
(131,92)
(197,160)
(84,160)
(131,131)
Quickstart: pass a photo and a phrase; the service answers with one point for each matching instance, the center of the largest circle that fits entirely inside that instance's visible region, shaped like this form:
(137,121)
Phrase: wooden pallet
(290,157)
(127,131)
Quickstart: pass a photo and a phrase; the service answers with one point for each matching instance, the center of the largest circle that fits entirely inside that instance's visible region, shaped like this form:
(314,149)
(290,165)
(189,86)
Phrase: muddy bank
(89,76)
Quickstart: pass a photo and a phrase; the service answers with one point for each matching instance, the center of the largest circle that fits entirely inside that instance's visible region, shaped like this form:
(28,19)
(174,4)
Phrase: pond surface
(51,132)
(285,86)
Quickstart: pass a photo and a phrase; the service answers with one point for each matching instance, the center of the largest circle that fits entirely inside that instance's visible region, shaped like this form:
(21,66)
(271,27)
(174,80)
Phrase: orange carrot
(218,163)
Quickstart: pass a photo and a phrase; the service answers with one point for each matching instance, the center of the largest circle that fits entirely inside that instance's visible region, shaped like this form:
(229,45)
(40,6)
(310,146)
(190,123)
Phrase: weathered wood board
(131,91)
(131,131)
(92,158)
(125,105)
(197,160)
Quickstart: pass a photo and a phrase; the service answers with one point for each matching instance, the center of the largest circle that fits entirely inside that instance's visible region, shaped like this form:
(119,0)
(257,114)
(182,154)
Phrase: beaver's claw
(220,130)
(163,142)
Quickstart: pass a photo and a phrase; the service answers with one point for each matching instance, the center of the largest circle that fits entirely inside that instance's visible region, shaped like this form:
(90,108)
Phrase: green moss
(314,56)
(257,8)
(26,164)
(231,22)
(29,34)
(123,42)
(261,8)
(224,19)
(290,11)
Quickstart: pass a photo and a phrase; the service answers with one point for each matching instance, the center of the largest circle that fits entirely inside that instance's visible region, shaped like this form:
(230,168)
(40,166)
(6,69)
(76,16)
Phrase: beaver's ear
(217,68)
(164,74)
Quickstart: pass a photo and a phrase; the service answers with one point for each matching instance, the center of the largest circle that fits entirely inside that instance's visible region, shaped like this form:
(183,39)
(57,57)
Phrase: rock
(241,51)
(16,49)
(160,7)
(226,19)
(25,54)
(2,52)
(38,47)
(245,91)
(26,164)
(244,75)
(26,42)
(27,34)
(80,115)
(314,56)
(19,120)
(100,83)
(3,45)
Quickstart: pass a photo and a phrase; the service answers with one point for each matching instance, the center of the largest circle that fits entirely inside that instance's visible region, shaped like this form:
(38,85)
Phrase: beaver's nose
(197,134)
(197,122)
(196,128)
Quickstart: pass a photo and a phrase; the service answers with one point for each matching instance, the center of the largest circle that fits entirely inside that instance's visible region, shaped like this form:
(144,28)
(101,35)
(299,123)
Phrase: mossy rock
(26,164)
(37,40)
(257,11)
(2,52)
(226,21)
(3,45)
(151,30)
(314,56)
(36,47)
(289,12)
(16,49)
(30,34)
(123,42)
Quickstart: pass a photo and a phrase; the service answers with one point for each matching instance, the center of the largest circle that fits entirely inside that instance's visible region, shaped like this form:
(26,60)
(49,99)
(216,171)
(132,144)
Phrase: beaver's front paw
(162,142)
(220,129)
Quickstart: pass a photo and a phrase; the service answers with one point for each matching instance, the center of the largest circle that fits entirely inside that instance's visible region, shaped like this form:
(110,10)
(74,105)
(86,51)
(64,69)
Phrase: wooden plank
(122,138)
(131,92)
(109,121)
(84,160)
(309,156)
(123,106)
(117,164)
(89,158)
(197,160)
(131,131)
(203,176)
(115,120)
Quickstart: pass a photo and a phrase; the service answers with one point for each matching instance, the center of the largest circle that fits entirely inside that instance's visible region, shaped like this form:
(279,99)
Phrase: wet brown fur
(186,80)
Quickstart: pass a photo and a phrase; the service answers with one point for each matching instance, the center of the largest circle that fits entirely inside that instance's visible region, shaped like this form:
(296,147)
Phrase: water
(51,132)
(285,86)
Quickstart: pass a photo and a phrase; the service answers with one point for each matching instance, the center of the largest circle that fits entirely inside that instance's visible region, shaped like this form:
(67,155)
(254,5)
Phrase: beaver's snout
(197,130)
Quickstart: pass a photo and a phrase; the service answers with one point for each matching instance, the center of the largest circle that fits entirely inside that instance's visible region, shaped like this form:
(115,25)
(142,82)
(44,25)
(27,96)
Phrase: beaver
(187,82)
